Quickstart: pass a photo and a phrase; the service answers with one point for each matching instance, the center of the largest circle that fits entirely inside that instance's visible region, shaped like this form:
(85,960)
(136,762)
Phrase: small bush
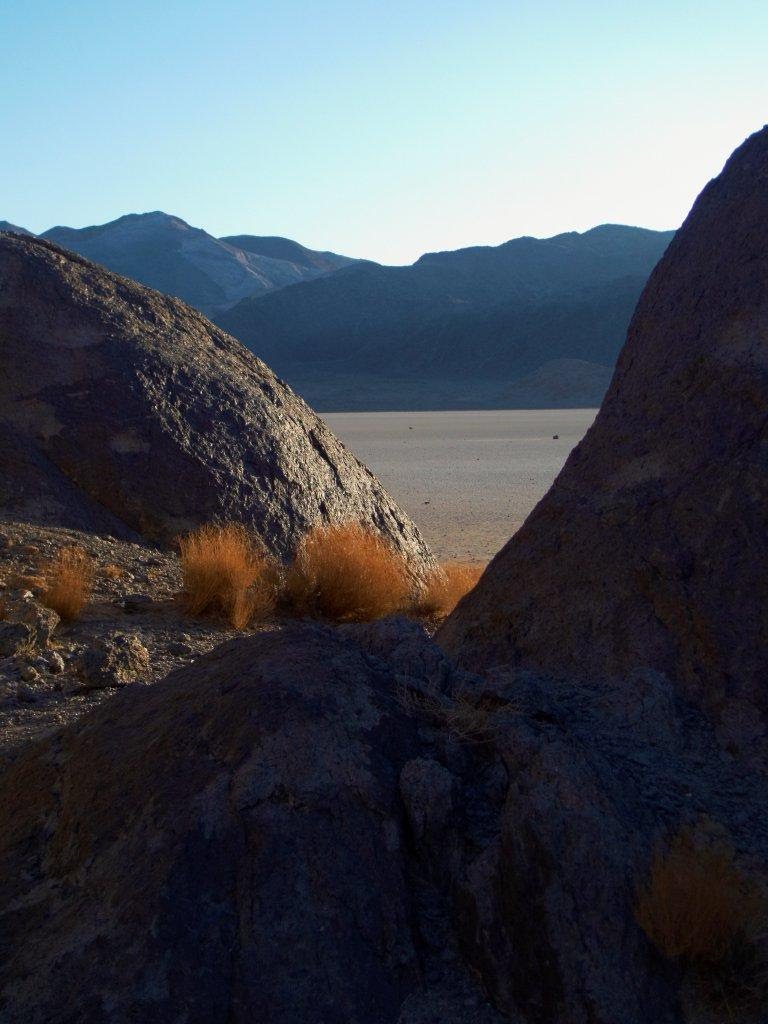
(698,905)
(226,571)
(111,572)
(445,587)
(68,582)
(347,573)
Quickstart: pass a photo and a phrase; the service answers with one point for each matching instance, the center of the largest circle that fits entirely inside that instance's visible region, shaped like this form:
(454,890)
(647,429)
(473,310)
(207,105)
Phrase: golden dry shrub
(698,905)
(347,573)
(227,571)
(445,587)
(111,572)
(68,580)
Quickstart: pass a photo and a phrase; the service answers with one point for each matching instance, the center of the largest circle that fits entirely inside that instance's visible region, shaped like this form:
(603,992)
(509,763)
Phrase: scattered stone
(24,608)
(14,637)
(55,663)
(26,694)
(116,660)
(180,649)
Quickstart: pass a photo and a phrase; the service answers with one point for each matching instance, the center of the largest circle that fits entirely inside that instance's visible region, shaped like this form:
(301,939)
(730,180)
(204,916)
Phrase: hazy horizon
(370,132)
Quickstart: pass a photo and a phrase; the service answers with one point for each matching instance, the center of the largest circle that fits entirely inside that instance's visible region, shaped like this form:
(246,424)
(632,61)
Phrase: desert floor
(468,479)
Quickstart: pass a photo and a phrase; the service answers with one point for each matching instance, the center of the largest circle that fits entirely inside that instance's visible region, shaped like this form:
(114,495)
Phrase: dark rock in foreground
(295,829)
(126,412)
(651,548)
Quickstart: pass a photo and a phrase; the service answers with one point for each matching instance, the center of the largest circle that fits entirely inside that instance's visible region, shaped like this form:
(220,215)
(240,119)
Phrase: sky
(380,130)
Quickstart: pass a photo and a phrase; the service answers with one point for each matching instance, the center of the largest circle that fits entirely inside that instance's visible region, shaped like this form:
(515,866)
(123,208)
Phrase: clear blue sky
(374,129)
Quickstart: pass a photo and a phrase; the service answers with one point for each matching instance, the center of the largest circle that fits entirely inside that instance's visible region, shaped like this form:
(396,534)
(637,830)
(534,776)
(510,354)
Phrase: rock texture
(242,858)
(126,412)
(651,548)
(292,829)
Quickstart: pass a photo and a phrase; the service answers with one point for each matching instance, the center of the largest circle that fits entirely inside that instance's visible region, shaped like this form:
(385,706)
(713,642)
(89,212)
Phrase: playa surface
(468,479)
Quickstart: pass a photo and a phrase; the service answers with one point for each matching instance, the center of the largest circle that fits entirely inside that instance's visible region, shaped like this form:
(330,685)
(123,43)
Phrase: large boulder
(224,845)
(230,844)
(296,828)
(126,411)
(651,548)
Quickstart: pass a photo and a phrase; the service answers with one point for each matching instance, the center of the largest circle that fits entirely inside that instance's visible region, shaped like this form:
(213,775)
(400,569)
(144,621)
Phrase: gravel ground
(148,581)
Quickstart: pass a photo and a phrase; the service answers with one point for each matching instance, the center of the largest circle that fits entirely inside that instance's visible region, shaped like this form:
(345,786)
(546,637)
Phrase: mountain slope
(166,253)
(5,225)
(286,249)
(466,322)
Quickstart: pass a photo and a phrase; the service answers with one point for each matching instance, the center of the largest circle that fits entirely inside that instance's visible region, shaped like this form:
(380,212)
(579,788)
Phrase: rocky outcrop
(114,660)
(651,548)
(126,412)
(230,843)
(293,829)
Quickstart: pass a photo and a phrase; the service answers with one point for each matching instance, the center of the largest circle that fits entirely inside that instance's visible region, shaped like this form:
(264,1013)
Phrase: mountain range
(530,323)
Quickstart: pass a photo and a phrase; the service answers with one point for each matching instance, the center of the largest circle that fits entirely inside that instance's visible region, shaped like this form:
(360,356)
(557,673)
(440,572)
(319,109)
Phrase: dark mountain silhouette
(458,328)
(166,253)
(530,323)
(286,249)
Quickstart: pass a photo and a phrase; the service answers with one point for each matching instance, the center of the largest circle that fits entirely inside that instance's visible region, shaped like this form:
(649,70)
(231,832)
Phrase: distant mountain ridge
(530,323)
(467,328)
(164,252)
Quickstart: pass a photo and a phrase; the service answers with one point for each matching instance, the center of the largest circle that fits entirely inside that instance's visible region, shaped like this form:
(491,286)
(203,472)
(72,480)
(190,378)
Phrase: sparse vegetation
(446,586)
(111,572)
(697,902)
(227,571)
(700,908)
(68,581)
(347,573)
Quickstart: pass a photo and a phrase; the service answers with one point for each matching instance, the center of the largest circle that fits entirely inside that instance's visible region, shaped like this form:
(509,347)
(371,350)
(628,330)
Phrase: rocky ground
(134,606)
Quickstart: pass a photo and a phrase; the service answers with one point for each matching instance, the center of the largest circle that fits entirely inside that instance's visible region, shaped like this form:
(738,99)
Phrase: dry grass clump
(347,573)
(68,581)
(698,904)
(226,571)
(446,586)
(111,572)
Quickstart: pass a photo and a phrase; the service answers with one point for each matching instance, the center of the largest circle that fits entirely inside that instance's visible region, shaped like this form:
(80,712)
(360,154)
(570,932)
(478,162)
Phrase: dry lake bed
(468,479)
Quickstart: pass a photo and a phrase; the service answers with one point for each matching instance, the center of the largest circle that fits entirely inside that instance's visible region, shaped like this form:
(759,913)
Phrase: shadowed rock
(269,835)
(125,411)
(651,548)
(225,845)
